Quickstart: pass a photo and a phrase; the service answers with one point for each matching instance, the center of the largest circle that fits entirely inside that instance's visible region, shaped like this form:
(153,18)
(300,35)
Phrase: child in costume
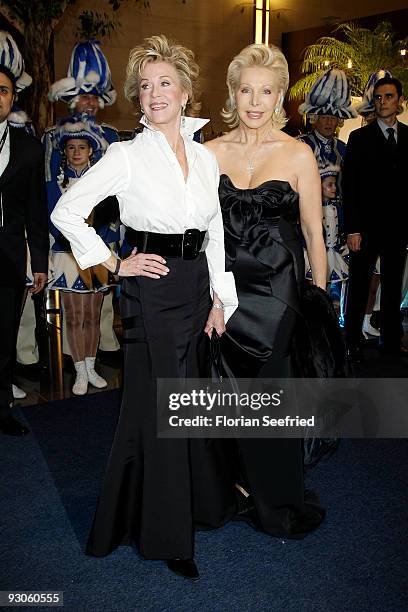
(86,90)
(337,252)
(82,290)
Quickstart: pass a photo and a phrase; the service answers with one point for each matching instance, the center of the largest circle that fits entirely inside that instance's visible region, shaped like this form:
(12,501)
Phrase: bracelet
(116,270)
(218,306)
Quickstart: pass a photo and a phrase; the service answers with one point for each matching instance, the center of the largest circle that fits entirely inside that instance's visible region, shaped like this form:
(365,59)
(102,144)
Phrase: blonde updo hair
(160,49)
(256,56)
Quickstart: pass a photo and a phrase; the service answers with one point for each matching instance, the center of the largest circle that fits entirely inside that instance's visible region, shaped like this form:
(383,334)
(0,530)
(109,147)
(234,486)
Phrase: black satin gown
(264,252)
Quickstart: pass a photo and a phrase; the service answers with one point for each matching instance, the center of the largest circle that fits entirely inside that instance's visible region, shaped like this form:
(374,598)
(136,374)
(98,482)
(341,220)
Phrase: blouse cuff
(96,255)
(223,284)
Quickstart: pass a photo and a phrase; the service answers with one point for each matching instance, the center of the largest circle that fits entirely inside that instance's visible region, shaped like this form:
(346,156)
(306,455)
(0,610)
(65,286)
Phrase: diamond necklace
(251,167)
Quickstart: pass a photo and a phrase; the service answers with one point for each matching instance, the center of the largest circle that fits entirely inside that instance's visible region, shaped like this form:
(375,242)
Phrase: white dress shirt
(153,196)
(4,160)
(5,153)
(384,127)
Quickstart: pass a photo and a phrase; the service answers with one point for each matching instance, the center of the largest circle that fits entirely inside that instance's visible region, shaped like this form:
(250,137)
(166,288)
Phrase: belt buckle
(190,244)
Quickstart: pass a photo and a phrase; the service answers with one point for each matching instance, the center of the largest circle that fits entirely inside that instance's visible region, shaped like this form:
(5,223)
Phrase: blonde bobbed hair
(160,49)
(256,56)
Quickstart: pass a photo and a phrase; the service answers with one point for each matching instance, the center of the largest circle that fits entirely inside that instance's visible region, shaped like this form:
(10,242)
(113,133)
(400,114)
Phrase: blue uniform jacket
(105,222)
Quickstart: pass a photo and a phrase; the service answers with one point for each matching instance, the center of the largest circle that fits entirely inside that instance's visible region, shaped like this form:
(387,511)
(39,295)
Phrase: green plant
(37,20)
(93,24)
(356,50)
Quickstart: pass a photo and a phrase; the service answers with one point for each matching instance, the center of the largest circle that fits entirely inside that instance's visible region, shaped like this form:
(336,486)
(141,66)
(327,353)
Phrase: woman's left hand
(39,281)
(215,321)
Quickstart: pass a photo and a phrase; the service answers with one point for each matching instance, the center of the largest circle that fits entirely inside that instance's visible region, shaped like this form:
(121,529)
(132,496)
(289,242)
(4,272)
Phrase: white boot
(94,378)
(81,381)
(368,329)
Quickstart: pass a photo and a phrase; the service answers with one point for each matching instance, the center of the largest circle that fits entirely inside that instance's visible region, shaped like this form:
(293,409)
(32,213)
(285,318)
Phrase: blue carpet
(356,561)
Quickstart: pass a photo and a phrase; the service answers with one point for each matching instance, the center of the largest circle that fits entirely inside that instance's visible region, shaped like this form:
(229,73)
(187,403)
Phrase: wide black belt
(185,245)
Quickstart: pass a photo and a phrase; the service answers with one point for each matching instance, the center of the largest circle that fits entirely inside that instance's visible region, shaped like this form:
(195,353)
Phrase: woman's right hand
(143,264)
(354,242)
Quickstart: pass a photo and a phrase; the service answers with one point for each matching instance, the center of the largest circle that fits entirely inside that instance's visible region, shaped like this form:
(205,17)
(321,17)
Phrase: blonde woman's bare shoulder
(219,143)
(301,154)
(288,141)
(301,149)
(211,144)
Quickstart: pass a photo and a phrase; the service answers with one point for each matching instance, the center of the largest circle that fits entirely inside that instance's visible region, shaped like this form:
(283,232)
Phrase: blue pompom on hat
(367,103)
(329,95)
(88,73)
(11,58)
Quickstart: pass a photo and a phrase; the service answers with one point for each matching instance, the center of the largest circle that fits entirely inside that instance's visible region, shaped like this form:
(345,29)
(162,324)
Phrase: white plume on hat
(11,58)
(88,73)
(329,95)
(72,129)
(329,170)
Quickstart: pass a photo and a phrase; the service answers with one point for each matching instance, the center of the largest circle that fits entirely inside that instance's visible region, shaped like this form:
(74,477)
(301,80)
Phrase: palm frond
(367,50)
(302,87)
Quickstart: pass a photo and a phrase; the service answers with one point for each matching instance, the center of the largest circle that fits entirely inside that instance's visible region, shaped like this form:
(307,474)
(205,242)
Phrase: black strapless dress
(264,252)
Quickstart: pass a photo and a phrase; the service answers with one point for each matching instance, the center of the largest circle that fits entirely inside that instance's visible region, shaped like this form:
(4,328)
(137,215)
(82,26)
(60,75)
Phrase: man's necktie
(392,143)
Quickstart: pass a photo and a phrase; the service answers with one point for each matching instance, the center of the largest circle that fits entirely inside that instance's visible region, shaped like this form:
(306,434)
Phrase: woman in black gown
(156,490)
(269,181)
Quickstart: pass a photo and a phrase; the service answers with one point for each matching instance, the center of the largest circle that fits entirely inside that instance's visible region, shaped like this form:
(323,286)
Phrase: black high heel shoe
(184,567)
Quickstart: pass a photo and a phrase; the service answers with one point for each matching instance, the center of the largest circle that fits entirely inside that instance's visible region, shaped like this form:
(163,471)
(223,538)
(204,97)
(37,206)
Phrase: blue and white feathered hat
(11,58)
(329,95)
(367,103)
(329,170)
(78,130)
(88,73)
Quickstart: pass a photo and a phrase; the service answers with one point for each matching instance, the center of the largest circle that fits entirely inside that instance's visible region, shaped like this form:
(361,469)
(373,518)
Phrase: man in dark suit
(23,210)
(376,216)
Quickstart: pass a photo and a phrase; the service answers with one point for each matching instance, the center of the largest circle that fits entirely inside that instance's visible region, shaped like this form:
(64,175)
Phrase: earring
(183,118)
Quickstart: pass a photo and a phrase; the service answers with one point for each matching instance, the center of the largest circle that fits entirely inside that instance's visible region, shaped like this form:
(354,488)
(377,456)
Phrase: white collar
(386,127)
(322,138)
(75,173)
(189,125)
(3,126)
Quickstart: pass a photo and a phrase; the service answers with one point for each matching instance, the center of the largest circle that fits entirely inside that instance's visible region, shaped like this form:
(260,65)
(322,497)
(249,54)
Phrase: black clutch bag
(215,359)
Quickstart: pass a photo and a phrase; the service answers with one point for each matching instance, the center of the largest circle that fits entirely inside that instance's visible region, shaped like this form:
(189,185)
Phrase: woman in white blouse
(155,490)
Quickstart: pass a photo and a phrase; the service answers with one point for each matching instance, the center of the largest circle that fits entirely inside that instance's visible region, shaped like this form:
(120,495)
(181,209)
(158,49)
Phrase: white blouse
(153,196)
(5,154)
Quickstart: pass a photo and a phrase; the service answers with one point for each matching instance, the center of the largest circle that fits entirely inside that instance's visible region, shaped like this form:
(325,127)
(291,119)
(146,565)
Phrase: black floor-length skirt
(156,490)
